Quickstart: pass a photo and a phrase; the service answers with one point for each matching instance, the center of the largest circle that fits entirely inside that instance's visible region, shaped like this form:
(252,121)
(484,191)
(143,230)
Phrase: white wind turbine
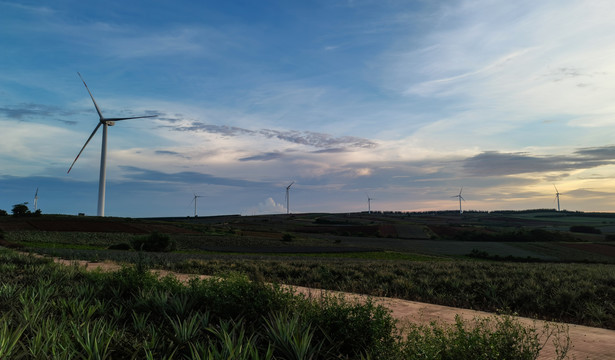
(288,197)
(460,198)
(557,193)
(36,200)
(104,122)
(369,204)
(194,200)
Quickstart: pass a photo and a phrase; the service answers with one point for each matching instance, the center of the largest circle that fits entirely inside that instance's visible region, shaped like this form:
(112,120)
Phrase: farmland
(526,263)
(54,311)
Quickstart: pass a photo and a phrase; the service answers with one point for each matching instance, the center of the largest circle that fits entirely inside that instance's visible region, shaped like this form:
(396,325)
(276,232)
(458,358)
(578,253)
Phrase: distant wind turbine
(104,122)
(369,204)
(557,194)
(460,198)
(194,200)
(288,197)
(36,200)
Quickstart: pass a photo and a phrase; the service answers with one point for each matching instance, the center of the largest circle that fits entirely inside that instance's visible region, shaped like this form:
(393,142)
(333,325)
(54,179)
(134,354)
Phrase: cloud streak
(493,163)
(308,138)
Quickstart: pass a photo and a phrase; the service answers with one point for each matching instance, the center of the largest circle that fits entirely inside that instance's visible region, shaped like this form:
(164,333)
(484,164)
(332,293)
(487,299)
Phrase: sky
(405,102)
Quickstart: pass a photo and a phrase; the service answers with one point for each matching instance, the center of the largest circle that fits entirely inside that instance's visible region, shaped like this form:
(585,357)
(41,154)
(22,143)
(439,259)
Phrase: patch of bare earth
(587,342)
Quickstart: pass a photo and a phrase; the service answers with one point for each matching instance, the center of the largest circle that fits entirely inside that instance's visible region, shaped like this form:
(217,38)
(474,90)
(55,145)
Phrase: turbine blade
(86,144)
(461,197)
(291,184)
(128,118)
(94,101)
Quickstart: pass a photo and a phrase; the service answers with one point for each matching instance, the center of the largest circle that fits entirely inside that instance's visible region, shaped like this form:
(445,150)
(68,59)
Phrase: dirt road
(587,342)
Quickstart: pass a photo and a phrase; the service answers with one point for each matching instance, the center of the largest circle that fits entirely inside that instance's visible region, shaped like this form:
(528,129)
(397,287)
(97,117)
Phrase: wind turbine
(194,200)
(557,196)
(288,197)
(460,198)
(36,199)
(104,122)
(369,204)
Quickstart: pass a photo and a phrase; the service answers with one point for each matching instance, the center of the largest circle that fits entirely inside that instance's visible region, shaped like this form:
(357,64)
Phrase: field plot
(65,311)
(534,270)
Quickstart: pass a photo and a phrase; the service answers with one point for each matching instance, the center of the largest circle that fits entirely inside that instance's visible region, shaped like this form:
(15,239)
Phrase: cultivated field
(540,264)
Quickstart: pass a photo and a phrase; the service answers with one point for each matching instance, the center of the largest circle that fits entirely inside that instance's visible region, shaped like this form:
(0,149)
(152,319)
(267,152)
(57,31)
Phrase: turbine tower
(104,122)
(194,200)
(288,197)
(557,196)
(369,204)
(460,198)
(36,200)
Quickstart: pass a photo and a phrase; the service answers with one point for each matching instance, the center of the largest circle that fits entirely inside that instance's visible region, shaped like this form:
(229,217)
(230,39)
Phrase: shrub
(121,246)
(3,212)
(498,337)
(585,229)
(156,242)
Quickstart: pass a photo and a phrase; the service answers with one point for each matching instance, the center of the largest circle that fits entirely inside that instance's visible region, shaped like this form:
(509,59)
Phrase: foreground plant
(497,337)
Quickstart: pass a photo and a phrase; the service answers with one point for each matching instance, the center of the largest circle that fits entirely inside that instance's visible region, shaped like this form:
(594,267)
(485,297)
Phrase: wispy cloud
(318,140)
(28,111)
(263,157)
(493,163)
(186,177)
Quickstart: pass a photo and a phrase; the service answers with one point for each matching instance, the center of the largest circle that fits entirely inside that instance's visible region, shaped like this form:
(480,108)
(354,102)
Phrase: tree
(20,210)
(3,212)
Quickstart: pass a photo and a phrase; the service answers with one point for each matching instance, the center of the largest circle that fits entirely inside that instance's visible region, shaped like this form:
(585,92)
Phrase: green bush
(585,229)
(497,337)
(156,242)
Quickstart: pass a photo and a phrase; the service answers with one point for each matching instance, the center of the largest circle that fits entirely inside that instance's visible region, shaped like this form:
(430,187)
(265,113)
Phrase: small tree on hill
(3,212)
(20,210)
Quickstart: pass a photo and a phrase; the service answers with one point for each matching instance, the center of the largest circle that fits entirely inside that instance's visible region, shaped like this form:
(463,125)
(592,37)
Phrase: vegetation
(21,210)
(575,293)
(585,229)
(155,242)
(522,235)
(49,311)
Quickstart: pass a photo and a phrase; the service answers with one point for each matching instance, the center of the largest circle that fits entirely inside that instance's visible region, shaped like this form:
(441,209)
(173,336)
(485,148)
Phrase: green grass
(576,293)
(52,311)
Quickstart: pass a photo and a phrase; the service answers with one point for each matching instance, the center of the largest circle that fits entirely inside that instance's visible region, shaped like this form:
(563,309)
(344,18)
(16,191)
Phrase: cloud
(264,157)
(185,177)
(309,138)
(493,163)
(27,111)
(268,206)
(330,151)
(171,153)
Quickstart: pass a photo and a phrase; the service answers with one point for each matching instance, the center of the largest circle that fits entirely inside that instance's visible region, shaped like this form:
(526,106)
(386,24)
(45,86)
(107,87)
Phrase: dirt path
(587,342)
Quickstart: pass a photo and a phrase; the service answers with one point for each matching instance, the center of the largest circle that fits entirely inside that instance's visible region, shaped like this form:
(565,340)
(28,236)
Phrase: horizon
(408,102)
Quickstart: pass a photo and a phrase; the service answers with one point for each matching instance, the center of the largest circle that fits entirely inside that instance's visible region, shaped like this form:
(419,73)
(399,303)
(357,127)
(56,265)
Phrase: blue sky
(406,101)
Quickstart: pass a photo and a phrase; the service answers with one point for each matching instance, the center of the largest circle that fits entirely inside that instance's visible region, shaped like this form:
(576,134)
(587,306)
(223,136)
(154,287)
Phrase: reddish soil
(586,342)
